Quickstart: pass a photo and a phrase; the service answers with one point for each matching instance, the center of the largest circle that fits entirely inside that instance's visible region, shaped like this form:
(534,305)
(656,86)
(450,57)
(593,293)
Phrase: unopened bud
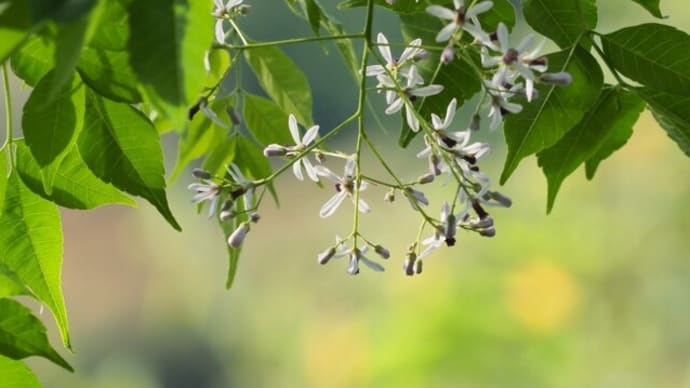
(226,215)
(447,55)
(426,178)
(381,251)
(237,237)
(201,174)
(499,198)
(353,268)
(561,78)
(418,196)
(326,255)
(273,150)
(486,222)
(488,232)
(421,55)
(434,166)
(254,217)
(390,196)
(320,157)
(409,263)
(418,266)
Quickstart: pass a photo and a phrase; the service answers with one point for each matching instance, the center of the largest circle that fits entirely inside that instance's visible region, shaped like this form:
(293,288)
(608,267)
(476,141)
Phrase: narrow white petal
(309,168)
(324,171)
(529,89)
(297,170)
(450,113)
(428,90)
(436,121)
(459,3)
(310,135)
(363,207)
(525,44)
(350,166)
(384,49)
(424,153)
(503,39)
(410,51)
(375,70)
(479,8)
(412,120)
(294,129)
(394,107)
(440,12)
(446,32)
(331,206)
(371,264)
(220,32)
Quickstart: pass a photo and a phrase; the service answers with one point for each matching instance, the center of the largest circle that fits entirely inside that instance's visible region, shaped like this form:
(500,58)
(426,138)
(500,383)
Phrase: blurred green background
(595,295)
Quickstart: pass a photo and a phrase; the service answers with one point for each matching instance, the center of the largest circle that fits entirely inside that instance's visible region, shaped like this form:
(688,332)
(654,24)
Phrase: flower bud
(254,217)
(421,55)
(390,196)
(273,150)
(426,178)
(409,263)
(417,196)
(237,237)
(326,255)
(381,251)
(447,55)
(201,174)
(561,78)
(501,199)
(353,268)
(483,223)
(226,215)
(488,232)
(434,165)
(418,266)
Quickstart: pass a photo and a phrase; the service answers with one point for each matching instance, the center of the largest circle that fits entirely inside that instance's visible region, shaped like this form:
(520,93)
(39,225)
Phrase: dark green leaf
(615,111)
(563,21)
(16,23)
(167,45)
(502,12)
(557,110)
(654,55)
(51,124)
(10,284)
(109,73)
(113,27)
(34,59)
(266,121)
(16,374)
(673,114)
(616,139)
(23,335)
(400,7)
(313,12)
(121,146)
(283,81)
(75,186)
(68,45)
(31,246)
(458,78)
(652,6)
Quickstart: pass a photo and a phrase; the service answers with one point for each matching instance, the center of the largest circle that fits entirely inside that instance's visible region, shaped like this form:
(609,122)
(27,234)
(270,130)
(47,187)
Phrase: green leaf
(615,111)
(4,174)
(502,12)
(31,246)
(75,186)
(673,114)
(654,55)
(10,284)
(201,136)
(282,80)
(16,374)
(16,24)
(399,7)
(251,160)
(562,21)
(616,139)
(652,6)
(458,78)
(34,59)
(313,12)
(233,253)
(68,45)
(121,146)
(557,110)
(23,335)
(169,40)
(266,121)
(220,156)
(51,124)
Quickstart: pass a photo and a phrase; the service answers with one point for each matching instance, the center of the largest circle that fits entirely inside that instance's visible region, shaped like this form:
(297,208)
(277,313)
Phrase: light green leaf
(399,7)
(51,125)
(121,146)
(16,374)
(615,111)
(458,78)
(23,335)
(220,156)
(313,12)
(10,284)
(233,253)
(16,24)
(563,21)
(502,12)
(170,38)
(266,121)
(34,59)
(652,6)
(4,174)
(109,74)
(283,81)
(250,158)
(31,246)
(557,110)
(673,114)
(68,45)
(201,136)
(654,55)
(75,186)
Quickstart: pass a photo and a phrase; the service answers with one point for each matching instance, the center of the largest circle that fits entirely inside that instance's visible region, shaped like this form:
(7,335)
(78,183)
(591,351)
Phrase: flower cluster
(224,12)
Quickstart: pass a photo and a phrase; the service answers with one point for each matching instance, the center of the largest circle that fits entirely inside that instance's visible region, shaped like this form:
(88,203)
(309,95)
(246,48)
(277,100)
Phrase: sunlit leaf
(558,109)
(168,41)
(673,114)
(23,335)
(652,6)
(654,55)
(220,156)
(283,81)
(10,283)
(266,121)
(615,111)
(16,374)
(121,146)
(51,125)
(31,246)
(16,23)
(34,59)
(563,21)
(75,186)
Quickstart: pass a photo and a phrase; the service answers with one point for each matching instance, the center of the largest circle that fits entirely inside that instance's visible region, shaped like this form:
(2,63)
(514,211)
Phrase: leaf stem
(8,112)
(288,41)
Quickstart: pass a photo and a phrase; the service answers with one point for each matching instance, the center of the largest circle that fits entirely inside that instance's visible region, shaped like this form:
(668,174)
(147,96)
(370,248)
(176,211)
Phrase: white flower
(301,144)
(206,191)
(221,12)
(460,17)
(518,61)
(344,186)
(395,66)
(396,102)
(246,187)
(499,104)
(445,232)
